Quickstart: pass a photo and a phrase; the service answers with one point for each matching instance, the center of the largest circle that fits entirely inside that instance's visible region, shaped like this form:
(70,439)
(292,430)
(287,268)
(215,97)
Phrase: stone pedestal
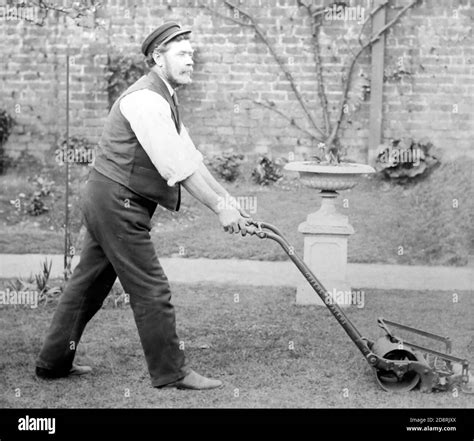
(325,252)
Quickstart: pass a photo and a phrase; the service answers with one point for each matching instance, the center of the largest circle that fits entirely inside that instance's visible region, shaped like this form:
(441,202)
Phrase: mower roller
(399,365)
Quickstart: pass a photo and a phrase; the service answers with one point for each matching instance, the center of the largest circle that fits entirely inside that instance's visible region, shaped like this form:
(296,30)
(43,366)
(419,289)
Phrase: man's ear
(158,59)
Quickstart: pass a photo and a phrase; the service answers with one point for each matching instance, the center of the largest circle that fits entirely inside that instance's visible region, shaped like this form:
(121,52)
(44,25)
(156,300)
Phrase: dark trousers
(117,243)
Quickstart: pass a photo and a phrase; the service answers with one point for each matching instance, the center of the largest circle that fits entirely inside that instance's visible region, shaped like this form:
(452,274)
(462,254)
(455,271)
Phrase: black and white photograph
(235,219)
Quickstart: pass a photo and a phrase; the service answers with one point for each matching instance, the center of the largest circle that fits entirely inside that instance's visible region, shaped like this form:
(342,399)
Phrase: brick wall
(427,92)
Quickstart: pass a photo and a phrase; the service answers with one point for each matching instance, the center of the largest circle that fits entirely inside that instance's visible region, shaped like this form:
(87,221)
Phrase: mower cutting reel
(433,370)
(399,366)
(392,380)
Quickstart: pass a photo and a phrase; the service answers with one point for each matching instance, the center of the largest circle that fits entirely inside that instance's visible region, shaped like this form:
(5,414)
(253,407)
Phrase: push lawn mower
(399,365)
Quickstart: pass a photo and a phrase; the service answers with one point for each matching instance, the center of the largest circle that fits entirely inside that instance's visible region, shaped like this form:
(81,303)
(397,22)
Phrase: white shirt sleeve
(173,154)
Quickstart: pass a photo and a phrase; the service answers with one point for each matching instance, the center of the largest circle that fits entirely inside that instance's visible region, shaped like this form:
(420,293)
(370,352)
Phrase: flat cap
(163,34)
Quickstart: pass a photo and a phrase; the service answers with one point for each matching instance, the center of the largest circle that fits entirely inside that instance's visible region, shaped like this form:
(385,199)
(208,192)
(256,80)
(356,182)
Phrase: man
(144,157)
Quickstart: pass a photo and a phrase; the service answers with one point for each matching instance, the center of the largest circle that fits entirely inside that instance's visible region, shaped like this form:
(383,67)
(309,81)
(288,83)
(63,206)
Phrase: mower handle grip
(261,229)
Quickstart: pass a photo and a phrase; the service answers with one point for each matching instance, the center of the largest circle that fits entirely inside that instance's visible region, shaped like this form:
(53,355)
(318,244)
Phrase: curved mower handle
(428,376)
(264,230)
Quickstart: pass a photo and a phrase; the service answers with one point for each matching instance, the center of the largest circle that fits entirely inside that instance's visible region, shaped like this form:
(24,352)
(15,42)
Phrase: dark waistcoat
(120,156)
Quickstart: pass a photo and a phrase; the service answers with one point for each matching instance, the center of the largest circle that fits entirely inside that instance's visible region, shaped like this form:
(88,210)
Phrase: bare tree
(325,133)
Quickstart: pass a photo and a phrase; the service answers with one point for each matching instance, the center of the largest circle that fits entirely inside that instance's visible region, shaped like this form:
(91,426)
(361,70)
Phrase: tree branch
(74,13)
(226,17)
(329,133)
(369,17)
(347,84)
(292,121)
(315,17)
(252,23)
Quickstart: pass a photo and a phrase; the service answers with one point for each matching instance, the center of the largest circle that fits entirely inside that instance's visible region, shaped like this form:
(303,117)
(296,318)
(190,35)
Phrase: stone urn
(326,231)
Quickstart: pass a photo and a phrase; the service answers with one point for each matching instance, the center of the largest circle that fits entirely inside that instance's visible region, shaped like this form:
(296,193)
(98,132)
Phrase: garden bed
(430,223)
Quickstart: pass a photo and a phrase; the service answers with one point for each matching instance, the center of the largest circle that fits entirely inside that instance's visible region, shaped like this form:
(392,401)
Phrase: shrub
(267,171)
(227,166)
(6,126)
(81,151)
(36,205)
(24,163)
(405,160)
(122,71)
(39,283)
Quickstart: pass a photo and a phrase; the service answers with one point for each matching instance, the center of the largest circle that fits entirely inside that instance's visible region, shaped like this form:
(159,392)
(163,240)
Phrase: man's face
(177,63)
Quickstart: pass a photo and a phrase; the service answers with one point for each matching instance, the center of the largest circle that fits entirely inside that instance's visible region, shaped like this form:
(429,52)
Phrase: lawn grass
(398,225)
(246,344)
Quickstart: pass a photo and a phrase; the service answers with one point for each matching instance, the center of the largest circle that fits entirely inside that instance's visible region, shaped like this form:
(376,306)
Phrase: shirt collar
(170,89)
